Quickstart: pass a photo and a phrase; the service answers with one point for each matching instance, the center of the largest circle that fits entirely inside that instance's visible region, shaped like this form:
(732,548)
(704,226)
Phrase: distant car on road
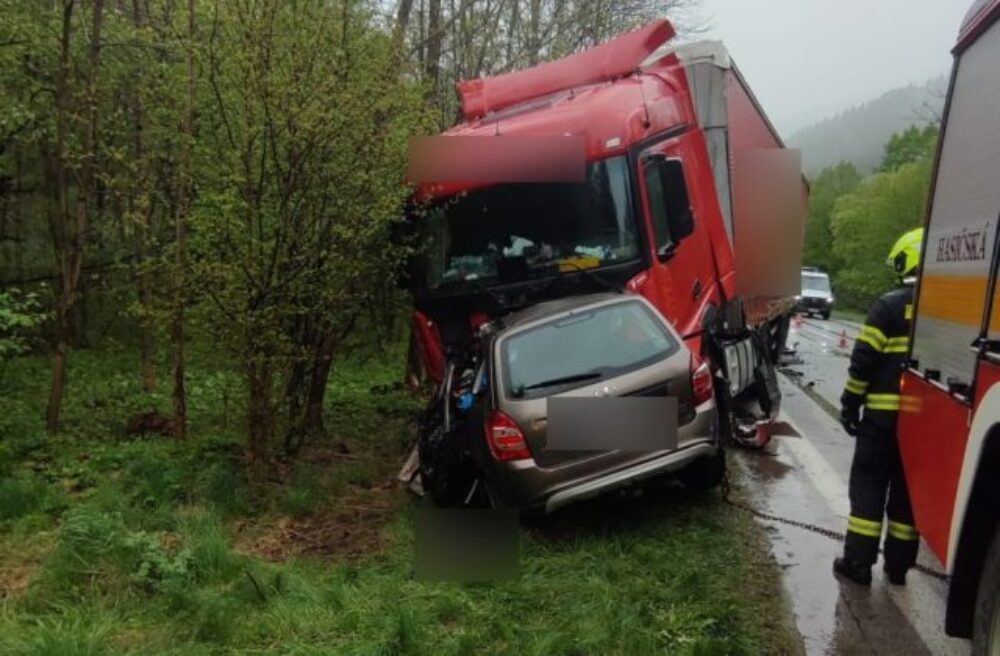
(816,296)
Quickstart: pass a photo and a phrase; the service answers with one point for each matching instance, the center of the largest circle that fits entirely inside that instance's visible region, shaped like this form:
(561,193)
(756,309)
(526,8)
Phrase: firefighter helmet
(905,254)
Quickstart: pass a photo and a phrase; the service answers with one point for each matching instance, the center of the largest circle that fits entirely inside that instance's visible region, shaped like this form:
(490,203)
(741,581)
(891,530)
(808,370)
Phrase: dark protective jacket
(879,354)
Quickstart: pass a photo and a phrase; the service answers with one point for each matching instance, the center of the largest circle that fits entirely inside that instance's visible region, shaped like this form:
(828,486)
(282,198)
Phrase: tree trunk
(295,386)
(403,12)
(534,25)
(142,211)
(434,38)
(68,229)
(180,251)
(260,412)
(322,363)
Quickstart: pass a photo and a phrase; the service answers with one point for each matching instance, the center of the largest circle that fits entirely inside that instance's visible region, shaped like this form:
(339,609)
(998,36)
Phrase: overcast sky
(808,59)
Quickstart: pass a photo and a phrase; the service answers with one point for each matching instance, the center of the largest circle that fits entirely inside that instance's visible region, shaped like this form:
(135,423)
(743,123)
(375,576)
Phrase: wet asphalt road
(802,475)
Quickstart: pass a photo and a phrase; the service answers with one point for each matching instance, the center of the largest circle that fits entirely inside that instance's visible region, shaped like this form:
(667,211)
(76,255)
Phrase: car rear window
(583,348)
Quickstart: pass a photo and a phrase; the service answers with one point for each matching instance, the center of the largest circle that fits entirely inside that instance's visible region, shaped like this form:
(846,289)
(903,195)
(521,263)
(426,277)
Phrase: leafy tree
(20,314)
(865,224)
(824,191)
(300,165)
(914,144)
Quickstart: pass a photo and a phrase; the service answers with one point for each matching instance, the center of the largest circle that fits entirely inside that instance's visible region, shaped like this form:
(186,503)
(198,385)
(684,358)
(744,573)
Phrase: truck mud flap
(766,377)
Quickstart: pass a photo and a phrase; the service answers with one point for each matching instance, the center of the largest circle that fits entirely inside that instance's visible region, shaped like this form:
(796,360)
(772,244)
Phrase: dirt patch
(22,562)
(15,580)
(351,527)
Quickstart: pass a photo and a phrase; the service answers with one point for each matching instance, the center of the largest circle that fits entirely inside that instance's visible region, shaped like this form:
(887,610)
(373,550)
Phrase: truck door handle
(696,289)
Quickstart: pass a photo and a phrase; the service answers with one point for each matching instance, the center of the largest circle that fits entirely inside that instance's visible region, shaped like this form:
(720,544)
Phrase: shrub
(154,479)
(23,495)
(97,548)
(19,315)
(302,494)
(224,485)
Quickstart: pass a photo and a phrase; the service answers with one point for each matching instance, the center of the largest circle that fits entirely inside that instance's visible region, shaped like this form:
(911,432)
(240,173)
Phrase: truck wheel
(986,627)
(706,472)
(826,315)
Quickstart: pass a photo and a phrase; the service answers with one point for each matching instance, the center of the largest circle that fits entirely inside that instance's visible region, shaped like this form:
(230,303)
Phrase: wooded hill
(859,135)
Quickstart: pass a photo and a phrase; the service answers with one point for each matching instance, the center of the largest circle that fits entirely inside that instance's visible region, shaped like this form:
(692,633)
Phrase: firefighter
(869,409)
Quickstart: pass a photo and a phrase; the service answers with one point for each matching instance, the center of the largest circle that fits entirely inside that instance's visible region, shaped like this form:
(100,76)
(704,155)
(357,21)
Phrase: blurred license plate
(626,423)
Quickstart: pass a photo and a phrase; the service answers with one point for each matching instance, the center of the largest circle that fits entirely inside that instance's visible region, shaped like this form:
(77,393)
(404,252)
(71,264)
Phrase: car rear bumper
(670,462)
(526,485)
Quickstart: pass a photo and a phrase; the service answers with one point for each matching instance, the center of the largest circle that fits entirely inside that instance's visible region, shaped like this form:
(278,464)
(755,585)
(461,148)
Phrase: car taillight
(505,438)
(701,381)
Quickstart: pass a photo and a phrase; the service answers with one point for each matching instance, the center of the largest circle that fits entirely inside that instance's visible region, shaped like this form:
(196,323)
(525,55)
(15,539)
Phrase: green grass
(114,545)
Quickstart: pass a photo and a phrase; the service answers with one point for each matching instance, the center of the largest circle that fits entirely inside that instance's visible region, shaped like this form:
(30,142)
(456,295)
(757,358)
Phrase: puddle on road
(833,618)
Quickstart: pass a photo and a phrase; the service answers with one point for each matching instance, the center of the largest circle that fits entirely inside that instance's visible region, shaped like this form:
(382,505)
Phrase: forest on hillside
(858,135)
(854,219)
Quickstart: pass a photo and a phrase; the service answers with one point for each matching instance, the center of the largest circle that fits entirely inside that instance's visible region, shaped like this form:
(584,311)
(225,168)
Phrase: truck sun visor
(608,61)
(495,160)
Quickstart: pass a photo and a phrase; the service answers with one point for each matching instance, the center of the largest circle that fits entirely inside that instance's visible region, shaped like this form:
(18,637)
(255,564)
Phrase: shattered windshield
(815,283)
(512,232)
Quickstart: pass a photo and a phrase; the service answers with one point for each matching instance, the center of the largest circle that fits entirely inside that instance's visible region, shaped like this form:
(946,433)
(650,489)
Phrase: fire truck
(680,163)
(949,426)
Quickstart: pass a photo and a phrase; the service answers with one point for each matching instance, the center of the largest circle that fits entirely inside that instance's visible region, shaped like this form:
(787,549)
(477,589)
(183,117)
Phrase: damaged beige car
(566,400)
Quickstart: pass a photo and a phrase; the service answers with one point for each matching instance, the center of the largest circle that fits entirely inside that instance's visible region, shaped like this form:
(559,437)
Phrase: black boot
(856,572)
(896,575)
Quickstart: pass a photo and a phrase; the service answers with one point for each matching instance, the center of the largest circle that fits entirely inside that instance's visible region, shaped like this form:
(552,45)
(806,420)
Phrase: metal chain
(814,528)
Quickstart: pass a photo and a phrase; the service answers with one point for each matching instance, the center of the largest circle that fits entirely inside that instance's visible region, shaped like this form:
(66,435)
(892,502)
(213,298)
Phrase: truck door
(682,278)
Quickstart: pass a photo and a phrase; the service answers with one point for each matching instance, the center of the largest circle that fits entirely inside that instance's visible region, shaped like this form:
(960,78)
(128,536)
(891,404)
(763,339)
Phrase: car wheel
(986,627)
(826,316)
(706,472)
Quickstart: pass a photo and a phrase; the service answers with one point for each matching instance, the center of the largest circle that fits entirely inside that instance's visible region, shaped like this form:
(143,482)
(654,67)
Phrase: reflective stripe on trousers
(865,527)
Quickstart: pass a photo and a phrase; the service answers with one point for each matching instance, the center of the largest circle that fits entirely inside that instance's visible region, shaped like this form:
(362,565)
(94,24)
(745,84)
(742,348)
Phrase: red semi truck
(681,162)
(949,424)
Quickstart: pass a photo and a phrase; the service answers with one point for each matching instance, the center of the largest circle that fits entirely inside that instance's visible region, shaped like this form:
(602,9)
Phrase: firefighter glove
(850,418)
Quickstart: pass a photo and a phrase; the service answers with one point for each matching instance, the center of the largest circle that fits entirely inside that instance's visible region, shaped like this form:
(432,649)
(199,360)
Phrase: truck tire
(705,473)
(986,626)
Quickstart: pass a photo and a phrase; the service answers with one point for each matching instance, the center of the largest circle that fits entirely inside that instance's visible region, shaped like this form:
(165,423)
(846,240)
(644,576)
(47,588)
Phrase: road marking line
(922,602)
(819,471)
